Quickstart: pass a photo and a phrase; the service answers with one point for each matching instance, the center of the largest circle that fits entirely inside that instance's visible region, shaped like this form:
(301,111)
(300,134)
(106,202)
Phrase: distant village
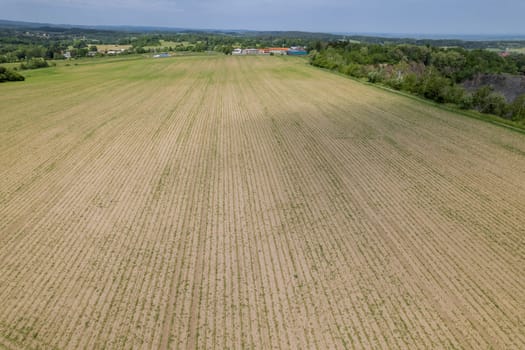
(292,51)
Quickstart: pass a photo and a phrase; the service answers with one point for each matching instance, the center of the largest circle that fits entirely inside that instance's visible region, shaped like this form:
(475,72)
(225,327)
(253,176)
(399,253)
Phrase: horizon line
(389,35)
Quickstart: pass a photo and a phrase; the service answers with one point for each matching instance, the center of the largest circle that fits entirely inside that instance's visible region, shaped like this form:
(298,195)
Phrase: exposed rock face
(510,86)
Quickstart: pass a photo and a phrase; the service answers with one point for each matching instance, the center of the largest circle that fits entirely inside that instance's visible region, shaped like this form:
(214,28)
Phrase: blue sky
(371,16)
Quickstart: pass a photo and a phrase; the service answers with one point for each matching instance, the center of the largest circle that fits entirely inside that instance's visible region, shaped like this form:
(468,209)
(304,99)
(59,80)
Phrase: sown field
(166,43)
(252,202)
(103,48)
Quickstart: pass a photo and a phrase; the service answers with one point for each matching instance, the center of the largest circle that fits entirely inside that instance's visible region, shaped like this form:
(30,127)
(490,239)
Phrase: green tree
(433,86)
(410,83)
(375,76)
(486,101)
(480,96)
(449,63)
(454,94)
(496,104)
(79,44)
(517,108)
(466,102)
(34,63)
(226,49)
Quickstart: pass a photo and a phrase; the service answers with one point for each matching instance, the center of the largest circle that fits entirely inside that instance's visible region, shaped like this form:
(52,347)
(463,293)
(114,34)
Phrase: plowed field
(252,202)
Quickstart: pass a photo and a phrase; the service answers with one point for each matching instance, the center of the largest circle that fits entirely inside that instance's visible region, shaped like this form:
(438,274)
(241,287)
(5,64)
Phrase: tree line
(17,45)
(431,72)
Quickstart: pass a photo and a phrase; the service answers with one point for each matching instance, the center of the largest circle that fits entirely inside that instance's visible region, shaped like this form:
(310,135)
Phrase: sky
(336,16)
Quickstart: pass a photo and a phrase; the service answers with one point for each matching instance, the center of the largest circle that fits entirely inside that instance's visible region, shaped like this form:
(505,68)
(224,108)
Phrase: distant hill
(470,41)
(6,24)
(461,37)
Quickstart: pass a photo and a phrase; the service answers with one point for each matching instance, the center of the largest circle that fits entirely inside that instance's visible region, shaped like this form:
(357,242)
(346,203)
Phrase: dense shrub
(9,75)
(466,102)
(395,83)
(517,108)
(410,83)
(480,96)
(375,77)
(495,104)
(454,94)
(487,101)
(34,63)
(433,86)
(354,70)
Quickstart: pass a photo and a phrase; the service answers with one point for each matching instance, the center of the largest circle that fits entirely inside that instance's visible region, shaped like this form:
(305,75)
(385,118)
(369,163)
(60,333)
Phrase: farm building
(278,50)
(114,51)
(161,55)
(251,51)
(297,52)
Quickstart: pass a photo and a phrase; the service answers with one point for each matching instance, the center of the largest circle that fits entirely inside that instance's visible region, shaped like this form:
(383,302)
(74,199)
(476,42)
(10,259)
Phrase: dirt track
(253,202)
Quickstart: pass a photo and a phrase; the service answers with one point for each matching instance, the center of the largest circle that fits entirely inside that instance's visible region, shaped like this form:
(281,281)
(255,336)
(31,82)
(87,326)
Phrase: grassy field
(165,43)
(252,202)
(105,47)
(511,49)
